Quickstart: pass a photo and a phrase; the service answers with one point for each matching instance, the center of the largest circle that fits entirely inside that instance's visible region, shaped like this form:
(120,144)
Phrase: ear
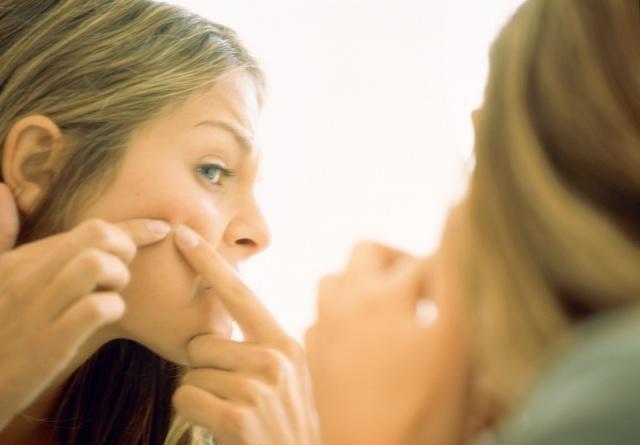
(30,152)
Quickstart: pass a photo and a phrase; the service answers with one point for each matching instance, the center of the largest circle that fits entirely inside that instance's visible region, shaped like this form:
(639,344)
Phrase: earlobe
(29,156)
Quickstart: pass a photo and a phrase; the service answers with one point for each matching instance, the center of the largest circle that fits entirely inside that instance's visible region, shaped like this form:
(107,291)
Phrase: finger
(93,270)
(407,284)
(226,385)
(56,251)
(120,239)
(208,351)
(410,292)
(368,257)
(144,231)
(330,300)
(314,340)
(9,222)
(310,340)
(253,318)
(224,420)
(82,319)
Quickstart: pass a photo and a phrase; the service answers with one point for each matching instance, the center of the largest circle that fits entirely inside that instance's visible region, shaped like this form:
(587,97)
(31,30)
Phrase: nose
(247,233)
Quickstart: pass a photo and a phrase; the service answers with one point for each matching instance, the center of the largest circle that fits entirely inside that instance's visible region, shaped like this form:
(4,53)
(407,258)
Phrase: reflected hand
(379,375)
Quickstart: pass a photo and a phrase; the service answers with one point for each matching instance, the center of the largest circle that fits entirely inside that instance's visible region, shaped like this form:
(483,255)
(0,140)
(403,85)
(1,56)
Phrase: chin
(177,353)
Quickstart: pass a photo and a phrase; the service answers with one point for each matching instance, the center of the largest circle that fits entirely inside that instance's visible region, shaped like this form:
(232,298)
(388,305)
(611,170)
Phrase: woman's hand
(245,393)
(55,293)
(380,375)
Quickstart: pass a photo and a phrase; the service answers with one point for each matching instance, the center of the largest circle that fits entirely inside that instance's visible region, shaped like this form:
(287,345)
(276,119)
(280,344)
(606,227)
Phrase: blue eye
(213,173)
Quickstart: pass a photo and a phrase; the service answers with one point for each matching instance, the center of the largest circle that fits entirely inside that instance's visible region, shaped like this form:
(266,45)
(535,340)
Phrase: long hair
(100,69)
(554,199)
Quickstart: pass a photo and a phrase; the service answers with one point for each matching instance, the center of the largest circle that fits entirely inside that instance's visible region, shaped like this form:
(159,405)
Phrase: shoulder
(591,393)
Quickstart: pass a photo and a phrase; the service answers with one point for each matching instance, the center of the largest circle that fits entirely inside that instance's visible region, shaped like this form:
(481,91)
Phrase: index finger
(255,321)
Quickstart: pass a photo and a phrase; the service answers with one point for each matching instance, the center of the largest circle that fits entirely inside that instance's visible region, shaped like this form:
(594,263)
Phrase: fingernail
(186,237)
(159,228)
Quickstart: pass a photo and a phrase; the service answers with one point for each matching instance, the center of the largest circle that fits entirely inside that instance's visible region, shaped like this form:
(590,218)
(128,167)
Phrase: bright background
(366,129)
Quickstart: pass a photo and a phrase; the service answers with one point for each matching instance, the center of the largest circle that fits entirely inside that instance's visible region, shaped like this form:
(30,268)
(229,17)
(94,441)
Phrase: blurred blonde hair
(554,199)
(100,69)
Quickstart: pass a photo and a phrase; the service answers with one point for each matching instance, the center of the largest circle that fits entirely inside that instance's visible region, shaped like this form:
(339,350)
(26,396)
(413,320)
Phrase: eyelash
(224,172)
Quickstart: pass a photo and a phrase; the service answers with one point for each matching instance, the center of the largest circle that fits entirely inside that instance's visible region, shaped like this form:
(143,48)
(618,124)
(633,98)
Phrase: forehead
(222,116)
(232,100)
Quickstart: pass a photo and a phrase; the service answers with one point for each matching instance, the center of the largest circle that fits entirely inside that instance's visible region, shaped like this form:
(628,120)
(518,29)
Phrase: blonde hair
(554,201)
(100,69)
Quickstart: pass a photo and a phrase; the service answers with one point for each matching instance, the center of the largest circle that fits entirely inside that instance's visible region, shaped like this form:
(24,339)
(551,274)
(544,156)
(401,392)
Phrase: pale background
(366,129)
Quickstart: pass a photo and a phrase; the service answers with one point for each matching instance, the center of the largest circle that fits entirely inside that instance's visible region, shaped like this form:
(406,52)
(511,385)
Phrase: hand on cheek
(250,392)
(55,294)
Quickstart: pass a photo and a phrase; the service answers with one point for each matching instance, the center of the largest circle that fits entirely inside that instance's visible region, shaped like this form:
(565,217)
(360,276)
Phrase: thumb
(9,224)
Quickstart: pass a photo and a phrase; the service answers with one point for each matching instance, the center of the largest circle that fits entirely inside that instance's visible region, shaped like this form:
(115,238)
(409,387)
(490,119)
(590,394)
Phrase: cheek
(202,214)
(164,309)
(160,277)
(178,200)
(160,296)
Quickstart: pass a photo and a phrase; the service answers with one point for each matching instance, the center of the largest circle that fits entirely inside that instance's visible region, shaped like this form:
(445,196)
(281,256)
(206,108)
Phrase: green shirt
(590,395)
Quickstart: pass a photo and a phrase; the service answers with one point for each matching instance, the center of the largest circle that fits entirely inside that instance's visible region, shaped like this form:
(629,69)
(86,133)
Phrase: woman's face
(196,166)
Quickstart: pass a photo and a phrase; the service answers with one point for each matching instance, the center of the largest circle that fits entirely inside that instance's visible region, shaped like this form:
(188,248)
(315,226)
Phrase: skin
(256,391)
(159,179)
(423,372)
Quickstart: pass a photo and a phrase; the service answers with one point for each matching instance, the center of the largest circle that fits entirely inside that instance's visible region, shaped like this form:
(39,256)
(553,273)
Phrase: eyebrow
(243,140)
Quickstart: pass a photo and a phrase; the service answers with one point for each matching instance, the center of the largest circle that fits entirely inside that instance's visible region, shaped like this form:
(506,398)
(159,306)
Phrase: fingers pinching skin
(121,239)
(9,223)
(249,392)
(45,258)
(253,318)
(144,231)
(90,271)
(83,318)
(55,293)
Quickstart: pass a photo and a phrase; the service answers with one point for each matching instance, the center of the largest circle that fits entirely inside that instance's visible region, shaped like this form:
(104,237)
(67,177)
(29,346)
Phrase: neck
(31,426)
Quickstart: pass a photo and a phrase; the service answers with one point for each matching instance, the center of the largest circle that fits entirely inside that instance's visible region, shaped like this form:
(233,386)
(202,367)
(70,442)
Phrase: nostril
(246,242)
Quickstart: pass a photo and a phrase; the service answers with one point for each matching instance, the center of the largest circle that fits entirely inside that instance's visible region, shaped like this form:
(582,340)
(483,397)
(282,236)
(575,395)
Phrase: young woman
(122,121)
(537,278)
